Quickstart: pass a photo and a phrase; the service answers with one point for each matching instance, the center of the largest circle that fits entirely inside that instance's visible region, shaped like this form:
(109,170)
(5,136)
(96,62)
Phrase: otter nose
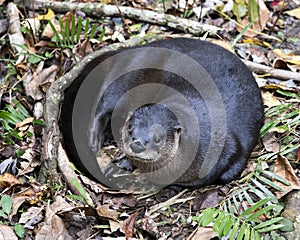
(137,147)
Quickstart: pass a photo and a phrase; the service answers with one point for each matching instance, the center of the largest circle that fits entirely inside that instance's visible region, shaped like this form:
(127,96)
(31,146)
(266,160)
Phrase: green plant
(242,9)
(70,33)
(9,118)
(6,204)
(83,196)
(240,215)
(284,120)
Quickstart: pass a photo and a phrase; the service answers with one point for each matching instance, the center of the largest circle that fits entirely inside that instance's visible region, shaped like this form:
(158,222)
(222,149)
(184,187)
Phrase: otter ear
(178,129)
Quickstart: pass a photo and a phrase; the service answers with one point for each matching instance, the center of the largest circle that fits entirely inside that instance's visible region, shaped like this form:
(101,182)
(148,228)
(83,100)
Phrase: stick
(100,9)
(276,73)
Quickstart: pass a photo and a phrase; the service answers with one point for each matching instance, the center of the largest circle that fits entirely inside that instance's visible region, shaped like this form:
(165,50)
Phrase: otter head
(150,136)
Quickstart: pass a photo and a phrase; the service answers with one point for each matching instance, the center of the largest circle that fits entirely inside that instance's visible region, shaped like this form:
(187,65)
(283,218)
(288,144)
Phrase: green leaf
(268,223)
(271,124)
(9,117)
(228,225)
(247,232)
(221,217)
(241,232)
(265,190)
(81,191)
(100,38)
(271,228)
(6,204)
(86,28)
(73,27)
(92,33)
(255,216)
(277,177)
(79,28)
(19,230)
(209,216)
(253,10)
(21,108)
(288,94)
(254,207)
(76,197)
(56,37)
(234,230)
(240,35)
(271,184)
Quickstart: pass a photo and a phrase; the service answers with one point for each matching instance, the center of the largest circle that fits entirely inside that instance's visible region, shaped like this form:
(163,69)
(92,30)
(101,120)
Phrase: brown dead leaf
(114,225)
(31,217)
(106,212)
(17,202)
(284,169)
(204,233)
(259,25)
(53,227)
(48,33)
(83,48)
(127,226)
(25,122)
(32,83)
(7,232)
(271,143)
(149,225)
(8,180)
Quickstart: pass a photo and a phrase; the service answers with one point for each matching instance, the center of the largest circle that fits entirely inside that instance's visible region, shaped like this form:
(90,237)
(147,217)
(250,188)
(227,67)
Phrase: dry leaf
(53,227)
(284,169)
(269,99)
(8,180)
(106,212)
(25,122)
(294,13)
(149,225)
(271,143)
(7,232)
(204,233)
(127,226)
(259,25)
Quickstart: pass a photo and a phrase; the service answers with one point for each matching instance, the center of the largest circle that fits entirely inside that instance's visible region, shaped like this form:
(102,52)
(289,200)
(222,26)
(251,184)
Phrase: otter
(183,111)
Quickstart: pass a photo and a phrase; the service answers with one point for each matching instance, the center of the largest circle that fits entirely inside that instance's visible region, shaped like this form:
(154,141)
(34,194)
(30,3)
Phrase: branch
(276,73)
(100,9)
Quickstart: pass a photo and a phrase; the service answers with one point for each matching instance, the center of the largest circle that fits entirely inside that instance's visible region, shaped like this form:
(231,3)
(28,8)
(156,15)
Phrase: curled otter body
(175,139)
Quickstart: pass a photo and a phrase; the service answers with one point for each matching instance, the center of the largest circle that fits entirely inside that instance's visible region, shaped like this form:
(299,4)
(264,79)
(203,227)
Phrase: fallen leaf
(294,13)
(7,232)
(127,226)
(26,121)
(204,233)
(260,24)
(149,225)
(48,16)
(284,169)
(271,143)
(106,212)
(53,227)
(8,180)
(31,217)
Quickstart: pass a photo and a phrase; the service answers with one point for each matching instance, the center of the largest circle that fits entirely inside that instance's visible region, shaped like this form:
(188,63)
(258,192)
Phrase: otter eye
(156,140)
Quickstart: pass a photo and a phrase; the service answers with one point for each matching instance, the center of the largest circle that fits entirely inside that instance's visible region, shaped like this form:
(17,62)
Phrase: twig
(100,9)
(276,73)
(15,33)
